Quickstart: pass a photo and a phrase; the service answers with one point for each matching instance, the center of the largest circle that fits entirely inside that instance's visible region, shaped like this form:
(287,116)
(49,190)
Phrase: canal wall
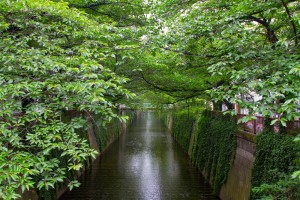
(238,184)
(216,147)
(276,158)
(100,138)
(238,164)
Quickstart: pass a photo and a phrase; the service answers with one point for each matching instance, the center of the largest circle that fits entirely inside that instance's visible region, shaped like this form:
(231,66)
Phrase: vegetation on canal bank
(58,55)
(182,127)
(112,130)
(214,144)
(275,161)
(105,134)
(51,61)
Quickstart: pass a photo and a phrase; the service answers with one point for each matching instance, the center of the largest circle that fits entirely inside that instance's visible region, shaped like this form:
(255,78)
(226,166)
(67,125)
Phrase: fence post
(254,126)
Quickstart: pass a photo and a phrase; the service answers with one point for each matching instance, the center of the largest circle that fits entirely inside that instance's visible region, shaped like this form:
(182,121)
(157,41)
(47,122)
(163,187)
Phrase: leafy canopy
(51,61)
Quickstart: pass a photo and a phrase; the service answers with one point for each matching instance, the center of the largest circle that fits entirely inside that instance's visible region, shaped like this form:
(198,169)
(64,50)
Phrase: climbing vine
(105,134)
(182,127)
(165,117)
(274,163)
(214,146)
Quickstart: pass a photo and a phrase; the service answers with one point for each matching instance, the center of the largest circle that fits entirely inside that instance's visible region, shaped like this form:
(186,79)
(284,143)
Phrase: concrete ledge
(247,136)
(246,145)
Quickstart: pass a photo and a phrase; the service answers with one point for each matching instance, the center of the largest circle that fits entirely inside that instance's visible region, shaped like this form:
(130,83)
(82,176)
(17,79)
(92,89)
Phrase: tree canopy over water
(90,55)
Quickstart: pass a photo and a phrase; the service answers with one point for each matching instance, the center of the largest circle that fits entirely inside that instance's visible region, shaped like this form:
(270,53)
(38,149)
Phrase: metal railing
(256,126)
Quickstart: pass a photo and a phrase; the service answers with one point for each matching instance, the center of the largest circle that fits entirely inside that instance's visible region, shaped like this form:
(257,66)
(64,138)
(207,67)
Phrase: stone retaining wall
(238,184)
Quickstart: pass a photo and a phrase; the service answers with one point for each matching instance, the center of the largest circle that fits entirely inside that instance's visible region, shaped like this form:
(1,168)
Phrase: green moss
(247,136)
(165,117)
(105,134)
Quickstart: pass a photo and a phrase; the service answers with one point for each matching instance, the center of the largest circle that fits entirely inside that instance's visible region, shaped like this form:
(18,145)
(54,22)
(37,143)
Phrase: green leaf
(273,121)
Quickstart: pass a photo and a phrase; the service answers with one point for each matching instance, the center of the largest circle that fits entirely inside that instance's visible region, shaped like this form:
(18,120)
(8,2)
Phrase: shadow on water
(145,163)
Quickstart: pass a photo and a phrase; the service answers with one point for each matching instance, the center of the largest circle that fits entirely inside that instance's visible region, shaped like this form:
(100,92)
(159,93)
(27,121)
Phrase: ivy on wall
(110,131)
(214,146)
(214,142)
(274,163)
(106,134)
(165,118)
(182,127)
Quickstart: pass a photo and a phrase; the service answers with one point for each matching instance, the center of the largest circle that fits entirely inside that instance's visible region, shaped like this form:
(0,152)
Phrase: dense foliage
(249,47)
(214,143)
(182,127)
(75,54)
(274,162)
(214,146)
(50,62)
(244,52)
(108,133)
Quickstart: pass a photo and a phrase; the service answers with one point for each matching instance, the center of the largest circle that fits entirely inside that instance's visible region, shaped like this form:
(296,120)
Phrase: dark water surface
(145,163)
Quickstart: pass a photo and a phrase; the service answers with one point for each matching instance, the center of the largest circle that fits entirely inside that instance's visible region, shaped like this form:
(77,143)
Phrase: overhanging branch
(291,21)
(169,90)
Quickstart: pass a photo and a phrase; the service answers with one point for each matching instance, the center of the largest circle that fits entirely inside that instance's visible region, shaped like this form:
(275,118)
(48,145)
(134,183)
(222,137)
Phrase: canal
(144,163)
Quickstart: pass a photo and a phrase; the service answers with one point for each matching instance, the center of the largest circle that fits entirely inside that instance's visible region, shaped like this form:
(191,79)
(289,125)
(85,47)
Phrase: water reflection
(144,163)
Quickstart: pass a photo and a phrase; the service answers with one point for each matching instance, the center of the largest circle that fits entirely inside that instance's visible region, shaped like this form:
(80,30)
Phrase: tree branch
(271,36)
(170,90)
(191,54)
(291,20)
(99,3)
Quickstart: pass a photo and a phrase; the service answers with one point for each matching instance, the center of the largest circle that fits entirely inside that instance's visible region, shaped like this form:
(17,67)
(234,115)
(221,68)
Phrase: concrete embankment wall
(238,183)
(239,165)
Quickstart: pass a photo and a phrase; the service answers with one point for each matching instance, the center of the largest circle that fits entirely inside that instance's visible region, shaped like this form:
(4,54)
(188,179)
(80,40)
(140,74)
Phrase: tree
(75,55)
(51,61)
(250,47)
(233,48)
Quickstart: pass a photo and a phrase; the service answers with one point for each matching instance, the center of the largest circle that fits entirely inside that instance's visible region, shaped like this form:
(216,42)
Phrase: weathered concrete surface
(91,133)
(29,194)
(246,145)
(238,183)
(170,124)
(192,140)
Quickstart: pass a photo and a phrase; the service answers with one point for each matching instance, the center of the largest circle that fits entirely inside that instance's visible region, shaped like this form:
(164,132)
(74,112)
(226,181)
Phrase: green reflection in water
(145,163)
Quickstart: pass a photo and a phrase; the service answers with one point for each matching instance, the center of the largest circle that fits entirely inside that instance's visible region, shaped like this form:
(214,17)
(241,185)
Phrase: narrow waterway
(145,163)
